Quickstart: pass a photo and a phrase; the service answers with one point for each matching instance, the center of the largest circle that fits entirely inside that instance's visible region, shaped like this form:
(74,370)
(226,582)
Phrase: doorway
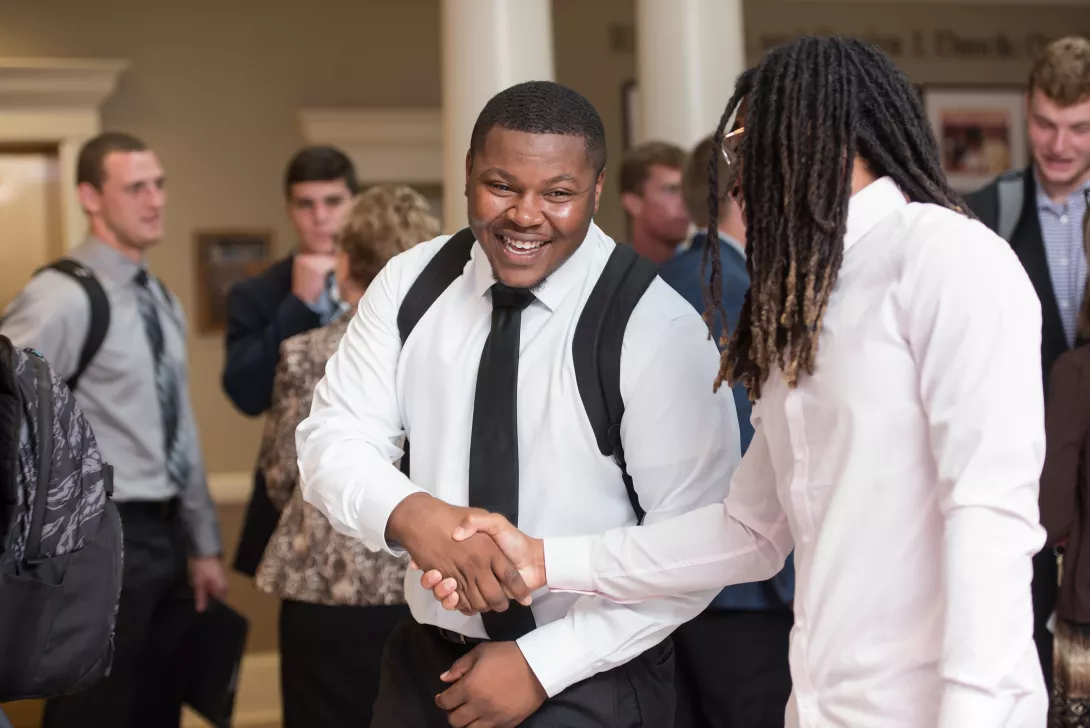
(31,221)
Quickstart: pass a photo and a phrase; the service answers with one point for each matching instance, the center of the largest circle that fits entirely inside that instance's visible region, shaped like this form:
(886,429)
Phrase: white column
(488,45)
(688,55)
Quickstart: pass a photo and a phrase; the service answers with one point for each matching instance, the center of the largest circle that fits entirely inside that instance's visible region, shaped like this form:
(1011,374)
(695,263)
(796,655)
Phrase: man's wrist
(404,515)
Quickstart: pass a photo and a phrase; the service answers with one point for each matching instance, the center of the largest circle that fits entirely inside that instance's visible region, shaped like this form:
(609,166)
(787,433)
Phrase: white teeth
(522,246)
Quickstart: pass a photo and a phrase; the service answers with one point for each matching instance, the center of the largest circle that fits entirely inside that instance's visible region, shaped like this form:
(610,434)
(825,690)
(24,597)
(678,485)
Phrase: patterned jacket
(306,560)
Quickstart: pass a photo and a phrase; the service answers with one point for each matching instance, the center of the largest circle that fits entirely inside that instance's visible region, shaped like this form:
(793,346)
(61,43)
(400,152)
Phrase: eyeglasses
(732,153)
(732,146)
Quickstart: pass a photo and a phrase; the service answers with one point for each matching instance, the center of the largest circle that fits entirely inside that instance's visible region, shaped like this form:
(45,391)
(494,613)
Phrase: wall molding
(52,83)
(55,101)
(385,145)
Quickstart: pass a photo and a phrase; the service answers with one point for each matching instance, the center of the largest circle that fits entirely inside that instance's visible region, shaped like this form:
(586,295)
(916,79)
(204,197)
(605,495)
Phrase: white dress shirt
(904,474)
(680,439)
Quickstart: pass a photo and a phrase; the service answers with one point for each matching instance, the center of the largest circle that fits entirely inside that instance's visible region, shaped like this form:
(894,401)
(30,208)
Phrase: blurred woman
(340,601)
(1065,514)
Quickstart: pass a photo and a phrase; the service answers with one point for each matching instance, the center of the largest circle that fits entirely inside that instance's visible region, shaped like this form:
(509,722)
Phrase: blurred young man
(652,200)
(295,295)
(135,394)
(1041,211)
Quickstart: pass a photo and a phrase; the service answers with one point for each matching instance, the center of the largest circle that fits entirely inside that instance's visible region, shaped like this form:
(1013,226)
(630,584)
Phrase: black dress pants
(145,686)
(639,694)
(732,669)
(330,657)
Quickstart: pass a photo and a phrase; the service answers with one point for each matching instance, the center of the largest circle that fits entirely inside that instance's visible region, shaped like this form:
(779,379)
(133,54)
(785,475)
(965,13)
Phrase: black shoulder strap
(596,351)
(100,312)
(436,277)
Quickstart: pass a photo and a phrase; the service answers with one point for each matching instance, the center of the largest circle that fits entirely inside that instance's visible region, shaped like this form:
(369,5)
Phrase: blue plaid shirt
(1061,228)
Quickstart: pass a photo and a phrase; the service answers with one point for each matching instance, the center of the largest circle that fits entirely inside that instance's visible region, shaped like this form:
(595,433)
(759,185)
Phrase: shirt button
(1063,219)
(1065,305)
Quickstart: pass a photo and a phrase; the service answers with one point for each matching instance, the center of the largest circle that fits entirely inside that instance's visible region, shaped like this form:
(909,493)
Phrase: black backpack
(596,346)
(100,312)
(60,537)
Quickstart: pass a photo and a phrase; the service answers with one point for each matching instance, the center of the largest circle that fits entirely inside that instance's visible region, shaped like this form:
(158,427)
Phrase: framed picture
(981,132)
(225,257)
(630,113)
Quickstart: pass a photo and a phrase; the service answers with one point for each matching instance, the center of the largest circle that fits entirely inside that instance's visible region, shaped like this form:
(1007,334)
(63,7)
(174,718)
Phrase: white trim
(229,489)
(56,101)
(385,145)
(64,83)
(258,700)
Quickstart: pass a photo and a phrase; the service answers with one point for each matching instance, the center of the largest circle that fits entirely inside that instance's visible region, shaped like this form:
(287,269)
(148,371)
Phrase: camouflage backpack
(60,537)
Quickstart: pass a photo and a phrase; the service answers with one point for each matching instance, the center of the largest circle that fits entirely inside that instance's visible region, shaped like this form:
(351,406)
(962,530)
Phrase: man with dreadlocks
(899,435)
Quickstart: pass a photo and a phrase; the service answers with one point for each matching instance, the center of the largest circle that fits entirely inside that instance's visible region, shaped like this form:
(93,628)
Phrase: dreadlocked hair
(813,106)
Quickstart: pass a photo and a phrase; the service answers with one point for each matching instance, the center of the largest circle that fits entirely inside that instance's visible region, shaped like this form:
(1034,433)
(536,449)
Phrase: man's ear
(632,204)
(469,169)
(598,184)
(90,199)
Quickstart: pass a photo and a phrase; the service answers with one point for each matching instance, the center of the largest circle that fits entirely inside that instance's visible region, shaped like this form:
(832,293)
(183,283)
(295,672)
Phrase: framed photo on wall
(630,113)
(981,132)
(225,257)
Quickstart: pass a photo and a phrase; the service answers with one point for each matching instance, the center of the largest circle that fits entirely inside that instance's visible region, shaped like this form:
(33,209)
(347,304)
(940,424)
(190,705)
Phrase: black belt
(161,509)
(458,637)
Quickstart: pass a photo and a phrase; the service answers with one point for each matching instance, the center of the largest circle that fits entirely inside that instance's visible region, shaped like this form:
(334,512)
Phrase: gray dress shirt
(117,391)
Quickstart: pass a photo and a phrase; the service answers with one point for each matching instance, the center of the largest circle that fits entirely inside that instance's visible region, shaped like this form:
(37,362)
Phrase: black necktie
(166,384)
(493,452)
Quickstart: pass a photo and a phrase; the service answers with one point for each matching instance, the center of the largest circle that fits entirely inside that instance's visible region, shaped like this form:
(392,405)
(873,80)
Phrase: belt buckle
(452,636)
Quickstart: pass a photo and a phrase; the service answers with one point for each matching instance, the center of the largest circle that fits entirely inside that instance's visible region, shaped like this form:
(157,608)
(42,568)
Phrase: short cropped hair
(694,183)
(320,164)
(1062,72)
(543,107)
(91,163)
(384,221)
(638,161)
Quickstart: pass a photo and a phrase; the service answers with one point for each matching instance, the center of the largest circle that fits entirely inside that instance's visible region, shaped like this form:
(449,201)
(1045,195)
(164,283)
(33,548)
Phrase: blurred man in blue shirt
(732,667)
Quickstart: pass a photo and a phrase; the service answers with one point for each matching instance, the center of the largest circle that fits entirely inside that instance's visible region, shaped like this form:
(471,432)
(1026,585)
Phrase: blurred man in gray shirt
(135,394)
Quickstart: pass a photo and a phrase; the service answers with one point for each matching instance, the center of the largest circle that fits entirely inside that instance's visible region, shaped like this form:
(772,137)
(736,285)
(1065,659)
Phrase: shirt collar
(108,262)
(869,206)
(1044,202)
(556,287)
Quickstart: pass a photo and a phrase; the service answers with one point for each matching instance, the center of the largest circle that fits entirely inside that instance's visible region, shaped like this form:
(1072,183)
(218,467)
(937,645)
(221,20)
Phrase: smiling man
(1041,211)
(483,375)
(118,337)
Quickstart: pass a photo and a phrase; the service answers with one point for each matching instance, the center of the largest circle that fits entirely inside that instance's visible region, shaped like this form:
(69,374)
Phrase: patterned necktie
(493,450)
(166,383)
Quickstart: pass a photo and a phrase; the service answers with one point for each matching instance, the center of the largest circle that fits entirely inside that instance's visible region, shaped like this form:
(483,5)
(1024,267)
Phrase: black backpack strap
(438,274)
(436,277)
(100,312)
(596,352)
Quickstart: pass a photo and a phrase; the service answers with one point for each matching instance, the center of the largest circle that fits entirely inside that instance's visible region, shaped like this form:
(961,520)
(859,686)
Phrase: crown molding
(385,145)
(374,126)
(53,83)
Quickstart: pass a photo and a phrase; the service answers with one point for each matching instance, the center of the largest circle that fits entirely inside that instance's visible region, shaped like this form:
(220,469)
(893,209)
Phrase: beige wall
(215,88)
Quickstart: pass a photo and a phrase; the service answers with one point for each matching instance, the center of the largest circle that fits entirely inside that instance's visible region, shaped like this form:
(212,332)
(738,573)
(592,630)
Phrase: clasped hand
(481,576)
(486,562)
(521,572)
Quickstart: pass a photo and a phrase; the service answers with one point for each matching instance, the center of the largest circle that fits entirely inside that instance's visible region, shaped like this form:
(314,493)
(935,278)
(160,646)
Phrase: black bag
(60,537)
(596,345)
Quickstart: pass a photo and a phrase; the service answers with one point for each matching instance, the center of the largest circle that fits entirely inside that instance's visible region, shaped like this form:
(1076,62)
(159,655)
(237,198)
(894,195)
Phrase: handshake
(473,561)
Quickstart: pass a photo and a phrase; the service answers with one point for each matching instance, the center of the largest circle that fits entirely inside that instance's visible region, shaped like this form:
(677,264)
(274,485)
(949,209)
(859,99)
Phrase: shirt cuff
(556,657)
(567,564)
(380,506)
(968,707)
